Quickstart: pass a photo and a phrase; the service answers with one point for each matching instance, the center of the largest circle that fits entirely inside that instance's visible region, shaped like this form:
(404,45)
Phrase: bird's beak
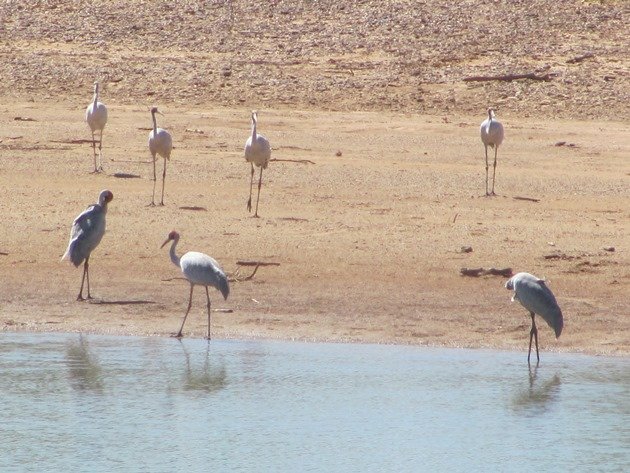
(165,242)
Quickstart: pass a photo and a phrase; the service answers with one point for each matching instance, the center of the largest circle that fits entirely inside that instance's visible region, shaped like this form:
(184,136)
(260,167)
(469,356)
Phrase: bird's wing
(200,268)
(258,151)
(84,222)
(161,143)
(483,129)
(536,297)
(84,235)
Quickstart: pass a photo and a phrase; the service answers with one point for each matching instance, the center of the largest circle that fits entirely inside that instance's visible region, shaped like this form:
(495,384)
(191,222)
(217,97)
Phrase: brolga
(491,135)
(86,233)
(160,142)
(96,118)
(537,298)
(258,152)
(200,270)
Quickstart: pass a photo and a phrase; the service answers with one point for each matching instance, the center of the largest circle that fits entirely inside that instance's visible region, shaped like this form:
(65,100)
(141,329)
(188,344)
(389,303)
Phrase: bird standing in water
(537,298)
(86,233)
(201,270)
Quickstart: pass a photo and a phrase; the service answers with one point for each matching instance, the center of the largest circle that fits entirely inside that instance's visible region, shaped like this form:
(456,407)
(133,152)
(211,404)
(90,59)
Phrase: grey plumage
(537,298)
(258,152)
(491,132)
(96,118)
(86,233)
(160,142)
(200,270)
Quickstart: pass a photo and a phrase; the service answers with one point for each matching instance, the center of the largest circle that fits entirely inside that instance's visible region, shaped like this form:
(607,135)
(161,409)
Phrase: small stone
(609,248)
(466,249)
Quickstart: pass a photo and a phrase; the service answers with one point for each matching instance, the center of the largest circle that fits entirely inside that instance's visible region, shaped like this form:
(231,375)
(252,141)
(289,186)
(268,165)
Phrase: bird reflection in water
(539,395)
(209,377)
(83,367)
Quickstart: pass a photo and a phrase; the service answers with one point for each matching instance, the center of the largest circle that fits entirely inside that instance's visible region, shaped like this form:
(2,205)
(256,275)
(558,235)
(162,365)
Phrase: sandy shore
(368,238)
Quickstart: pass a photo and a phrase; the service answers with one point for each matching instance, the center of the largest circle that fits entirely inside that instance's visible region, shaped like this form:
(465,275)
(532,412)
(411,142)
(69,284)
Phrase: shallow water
(101,404)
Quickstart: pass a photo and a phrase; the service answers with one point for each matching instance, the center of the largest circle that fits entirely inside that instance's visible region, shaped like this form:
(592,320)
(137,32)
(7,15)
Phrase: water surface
(92,403)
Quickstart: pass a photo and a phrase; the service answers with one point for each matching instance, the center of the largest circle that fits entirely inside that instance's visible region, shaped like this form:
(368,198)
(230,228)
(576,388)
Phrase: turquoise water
(102,404)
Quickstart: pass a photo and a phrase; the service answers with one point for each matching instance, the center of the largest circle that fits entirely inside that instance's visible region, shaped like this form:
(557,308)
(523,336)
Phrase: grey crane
(201,270)
(491,135)
(86,233)
(96,118)
(160,142)
(537,298)
(258,152)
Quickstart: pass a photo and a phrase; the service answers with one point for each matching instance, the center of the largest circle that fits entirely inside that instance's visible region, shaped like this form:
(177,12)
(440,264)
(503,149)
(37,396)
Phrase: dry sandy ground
(368,242)
(368,238)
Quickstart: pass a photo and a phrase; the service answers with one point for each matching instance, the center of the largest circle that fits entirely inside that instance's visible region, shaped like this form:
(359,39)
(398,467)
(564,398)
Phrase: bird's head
(172,236)
(155,110)
(509,285)
(490,112)
(105,197)
(254,116)
(95,87)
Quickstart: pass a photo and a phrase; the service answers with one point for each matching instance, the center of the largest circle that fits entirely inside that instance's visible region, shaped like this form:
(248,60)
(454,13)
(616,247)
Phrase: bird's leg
(154,180)
(486,146)
(80,296)
(536,340)
(494,170)
(100,151)
(258,197)
(163,179)
(209,310)
(179,334)
(533,333)
(94,152)
(87,276)
(251,183)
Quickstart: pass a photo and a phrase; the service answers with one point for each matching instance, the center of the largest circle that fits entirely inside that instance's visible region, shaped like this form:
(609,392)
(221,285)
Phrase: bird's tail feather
(559,324)
(69,252)
(224,287)
(66,255)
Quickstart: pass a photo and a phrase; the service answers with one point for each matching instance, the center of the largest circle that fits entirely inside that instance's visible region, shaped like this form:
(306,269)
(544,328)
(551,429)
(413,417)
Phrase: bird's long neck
(95,95)
(103,203)
(173,255)
(155,133)
(253,129)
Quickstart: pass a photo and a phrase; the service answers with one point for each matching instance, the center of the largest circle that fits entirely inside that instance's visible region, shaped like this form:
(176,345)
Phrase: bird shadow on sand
(131,302)
(194,208)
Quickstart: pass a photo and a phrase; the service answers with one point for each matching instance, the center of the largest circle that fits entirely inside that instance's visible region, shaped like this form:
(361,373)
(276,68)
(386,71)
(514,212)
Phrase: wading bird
(537,298)
(86,233)
(258,152)
(201,270)
(160,142)
(96,118)
(492,135)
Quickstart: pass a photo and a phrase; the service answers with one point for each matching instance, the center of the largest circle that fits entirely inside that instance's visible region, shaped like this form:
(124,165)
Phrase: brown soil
(369,237)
